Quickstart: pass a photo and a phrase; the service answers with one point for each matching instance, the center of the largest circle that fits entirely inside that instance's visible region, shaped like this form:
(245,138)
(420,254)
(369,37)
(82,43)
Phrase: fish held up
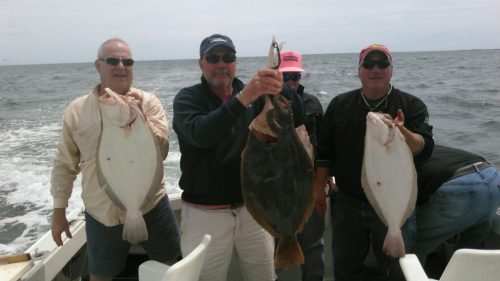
(128,165)
(277,175)
(389,178)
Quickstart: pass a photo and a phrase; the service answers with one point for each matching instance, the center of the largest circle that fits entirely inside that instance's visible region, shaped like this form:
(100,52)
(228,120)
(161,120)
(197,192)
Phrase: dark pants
(108,251)
(311,242)
(356,226)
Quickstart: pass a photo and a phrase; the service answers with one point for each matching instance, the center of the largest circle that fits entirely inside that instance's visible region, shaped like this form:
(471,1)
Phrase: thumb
(400,116)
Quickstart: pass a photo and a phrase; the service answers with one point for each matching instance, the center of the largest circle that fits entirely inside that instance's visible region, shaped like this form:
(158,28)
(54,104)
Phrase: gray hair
(100,51)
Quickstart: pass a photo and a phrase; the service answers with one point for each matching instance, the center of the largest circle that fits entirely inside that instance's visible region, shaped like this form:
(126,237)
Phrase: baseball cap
(215,40)
(375,47)
(291,61)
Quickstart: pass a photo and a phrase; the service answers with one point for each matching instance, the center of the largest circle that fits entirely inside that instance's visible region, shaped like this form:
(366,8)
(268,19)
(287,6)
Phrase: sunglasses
(369,64)
(291,76)
(227,58)
(115,61)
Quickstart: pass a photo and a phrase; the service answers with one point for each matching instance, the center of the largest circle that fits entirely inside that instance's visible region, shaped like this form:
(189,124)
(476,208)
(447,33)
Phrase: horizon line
(304,54)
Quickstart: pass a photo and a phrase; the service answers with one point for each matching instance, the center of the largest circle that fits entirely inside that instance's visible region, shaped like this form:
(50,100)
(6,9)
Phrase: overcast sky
(61,31)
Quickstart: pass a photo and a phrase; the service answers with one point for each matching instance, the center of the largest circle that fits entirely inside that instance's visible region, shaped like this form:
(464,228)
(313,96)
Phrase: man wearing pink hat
(355,225)
(311,237)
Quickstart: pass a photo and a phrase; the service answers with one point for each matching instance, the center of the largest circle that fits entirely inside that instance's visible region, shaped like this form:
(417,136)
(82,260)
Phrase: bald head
(101,51)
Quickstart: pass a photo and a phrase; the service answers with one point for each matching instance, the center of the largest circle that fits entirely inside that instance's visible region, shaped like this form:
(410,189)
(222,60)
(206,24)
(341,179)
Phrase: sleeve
(200,125)
(417,121)
(155,115)
(325,138)
(66,167)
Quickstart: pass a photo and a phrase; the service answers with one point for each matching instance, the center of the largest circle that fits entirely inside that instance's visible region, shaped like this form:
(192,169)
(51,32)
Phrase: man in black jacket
(211,120)
(355,224)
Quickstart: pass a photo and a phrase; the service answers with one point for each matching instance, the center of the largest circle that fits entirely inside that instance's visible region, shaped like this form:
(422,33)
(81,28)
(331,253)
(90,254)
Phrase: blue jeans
(108,251)
(465,206)
(355,226)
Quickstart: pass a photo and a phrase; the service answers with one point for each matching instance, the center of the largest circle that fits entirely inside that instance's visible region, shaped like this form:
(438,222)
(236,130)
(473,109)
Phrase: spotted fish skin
(277,182)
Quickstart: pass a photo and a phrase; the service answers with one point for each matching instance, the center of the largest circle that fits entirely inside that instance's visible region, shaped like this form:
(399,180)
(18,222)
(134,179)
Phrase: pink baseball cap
(291,61)
(374,47)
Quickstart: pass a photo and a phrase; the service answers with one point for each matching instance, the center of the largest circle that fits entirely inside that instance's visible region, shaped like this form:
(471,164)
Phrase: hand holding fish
(265,81)
(135,98)
(400,119)
(413,140)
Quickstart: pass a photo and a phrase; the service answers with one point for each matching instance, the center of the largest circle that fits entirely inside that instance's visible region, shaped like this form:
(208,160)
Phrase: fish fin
(134,228)
(112,196)
(394,245)
(288,253)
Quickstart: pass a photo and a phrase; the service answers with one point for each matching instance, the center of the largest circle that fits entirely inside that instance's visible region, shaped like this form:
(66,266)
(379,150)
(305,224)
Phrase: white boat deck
(49,261)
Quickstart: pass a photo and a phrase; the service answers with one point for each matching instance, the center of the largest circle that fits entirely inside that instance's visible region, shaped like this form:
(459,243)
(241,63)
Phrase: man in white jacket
(77,148)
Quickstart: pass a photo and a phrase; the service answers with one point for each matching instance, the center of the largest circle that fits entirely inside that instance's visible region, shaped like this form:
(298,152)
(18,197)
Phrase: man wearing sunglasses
(355,225)
(311,237)
(107,251)
(211,120)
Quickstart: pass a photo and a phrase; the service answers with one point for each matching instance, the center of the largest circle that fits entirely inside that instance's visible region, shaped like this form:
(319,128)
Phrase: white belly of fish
(389,179)
(128,165)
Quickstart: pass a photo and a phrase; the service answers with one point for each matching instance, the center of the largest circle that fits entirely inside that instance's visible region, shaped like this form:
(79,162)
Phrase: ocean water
(460,88)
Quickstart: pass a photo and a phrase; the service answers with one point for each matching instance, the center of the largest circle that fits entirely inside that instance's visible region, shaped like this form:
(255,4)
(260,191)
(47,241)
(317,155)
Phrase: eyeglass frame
(370,64)
(126,62)
(294,76)
(226,58)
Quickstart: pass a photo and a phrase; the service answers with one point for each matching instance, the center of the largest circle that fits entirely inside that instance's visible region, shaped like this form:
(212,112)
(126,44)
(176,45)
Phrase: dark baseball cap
(215,40)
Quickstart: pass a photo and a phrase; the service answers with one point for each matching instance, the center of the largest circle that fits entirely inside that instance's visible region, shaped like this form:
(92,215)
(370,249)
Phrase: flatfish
(389,179)
(129,164)
(277,177)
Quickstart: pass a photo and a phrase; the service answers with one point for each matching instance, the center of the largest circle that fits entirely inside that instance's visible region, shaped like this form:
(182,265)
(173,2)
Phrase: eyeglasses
(294,76)
(227,58)
(370,64)
(115,61)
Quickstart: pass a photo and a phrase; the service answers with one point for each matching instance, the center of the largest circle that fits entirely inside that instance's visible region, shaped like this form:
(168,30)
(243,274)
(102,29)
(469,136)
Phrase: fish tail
(288,253)
(134,228)
(394,244)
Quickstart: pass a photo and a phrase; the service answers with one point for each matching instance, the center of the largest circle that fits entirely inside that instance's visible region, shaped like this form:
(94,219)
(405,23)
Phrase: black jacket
(212,135)
(440,167)
(314,114)
(342,134)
